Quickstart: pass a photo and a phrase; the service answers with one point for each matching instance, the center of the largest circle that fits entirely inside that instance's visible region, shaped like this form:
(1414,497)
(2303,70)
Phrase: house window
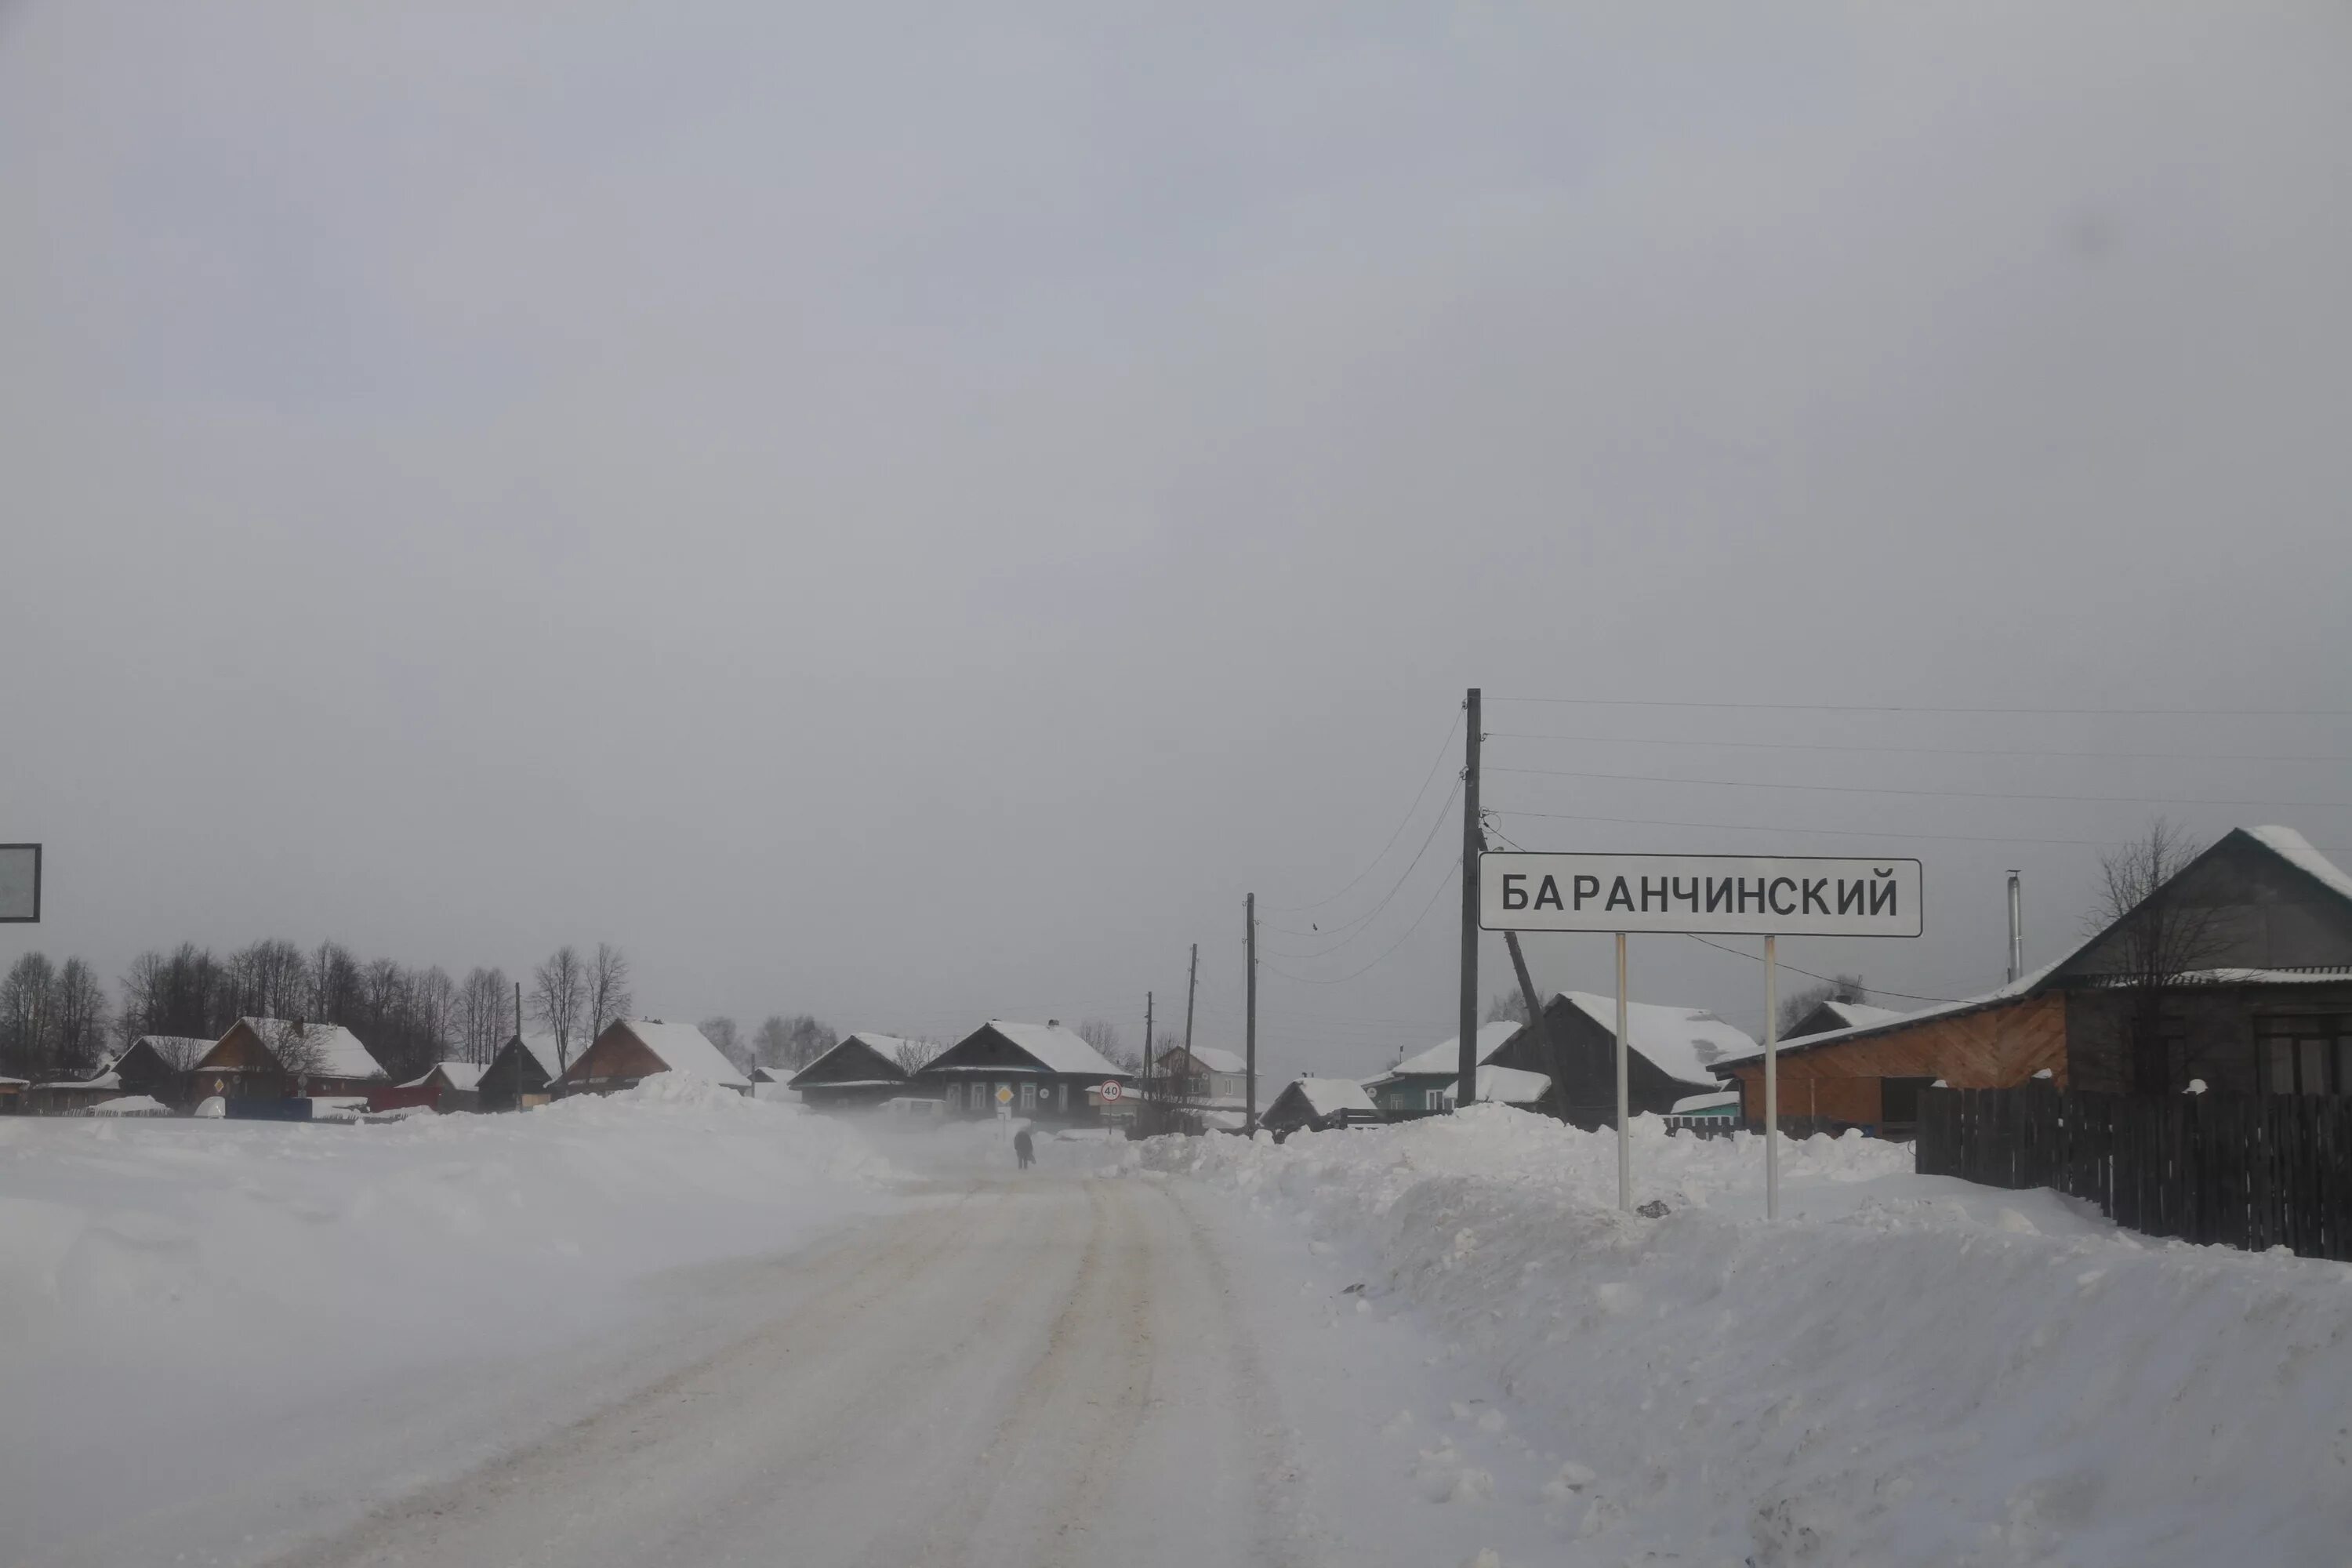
(1028,1097)
(2305,1056)
(1433,1099)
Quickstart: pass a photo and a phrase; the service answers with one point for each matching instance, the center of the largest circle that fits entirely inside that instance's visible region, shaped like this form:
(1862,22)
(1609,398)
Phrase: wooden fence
(2254,1171)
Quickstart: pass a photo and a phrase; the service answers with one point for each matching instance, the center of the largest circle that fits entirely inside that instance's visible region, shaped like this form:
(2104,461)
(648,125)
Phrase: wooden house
(522,1074)
(276,1059)
(1202,1074)
(451,1086)
(864,1070)
(154,1066)
(2265,1008)
(632,1050)
(1319,1105)
(1672,1052)
(1049,1069)
(12,1094)
(1422,1083)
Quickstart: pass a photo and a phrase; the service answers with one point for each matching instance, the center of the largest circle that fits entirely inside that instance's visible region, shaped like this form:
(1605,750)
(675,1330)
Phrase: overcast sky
(910,513)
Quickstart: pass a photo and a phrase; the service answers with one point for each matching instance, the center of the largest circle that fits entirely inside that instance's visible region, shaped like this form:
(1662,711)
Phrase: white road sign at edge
(1110,1090)
(1721,895)
(20,883)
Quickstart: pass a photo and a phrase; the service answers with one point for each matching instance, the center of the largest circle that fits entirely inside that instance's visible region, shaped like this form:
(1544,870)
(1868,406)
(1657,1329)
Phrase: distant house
(864,1070)
(12,1094)
(2265,1009)
(1202,1074)
(632,1050)
(277,1058)
(1423,1082)
(522,1074)
(152,1065)
(1318,1104)
(1829,1015)
(454,1085)
(1049,1069)
(1672,1052)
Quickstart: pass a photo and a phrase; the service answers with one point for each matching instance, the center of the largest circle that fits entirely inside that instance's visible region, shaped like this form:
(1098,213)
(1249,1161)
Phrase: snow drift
(186,1304)
(1910,1371)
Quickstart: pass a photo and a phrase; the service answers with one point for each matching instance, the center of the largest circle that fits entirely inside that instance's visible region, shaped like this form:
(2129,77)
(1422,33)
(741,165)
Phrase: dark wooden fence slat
(2251,1171)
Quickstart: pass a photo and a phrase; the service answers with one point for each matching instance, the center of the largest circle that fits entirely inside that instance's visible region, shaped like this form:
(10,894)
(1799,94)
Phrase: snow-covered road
(1034,1371)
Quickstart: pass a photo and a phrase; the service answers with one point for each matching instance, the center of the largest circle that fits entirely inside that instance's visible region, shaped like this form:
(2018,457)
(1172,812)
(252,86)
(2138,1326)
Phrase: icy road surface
(1040,1371)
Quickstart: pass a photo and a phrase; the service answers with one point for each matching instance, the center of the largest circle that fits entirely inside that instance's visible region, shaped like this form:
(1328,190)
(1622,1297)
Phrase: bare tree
(78,1017)
(608,988)
(299,1046)
(485,1013)
(2159,938)
(915,1055)
(1102,1035)
(773,1043)
(1506,1007)
(270,979)
(432,999)
(559,994)
(27,997)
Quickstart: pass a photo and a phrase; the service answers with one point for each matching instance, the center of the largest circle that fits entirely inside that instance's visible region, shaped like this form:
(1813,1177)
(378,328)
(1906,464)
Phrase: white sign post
(20,884)
(1714,895)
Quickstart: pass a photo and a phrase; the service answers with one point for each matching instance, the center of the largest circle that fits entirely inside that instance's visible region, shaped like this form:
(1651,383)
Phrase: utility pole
(1192,984)
(1465,1087)
(2016,929)
(1249,916)
(1147,1044)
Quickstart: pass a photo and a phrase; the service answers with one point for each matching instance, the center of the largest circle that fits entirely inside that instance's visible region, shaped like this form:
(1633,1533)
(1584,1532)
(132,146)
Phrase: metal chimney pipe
(2016,930)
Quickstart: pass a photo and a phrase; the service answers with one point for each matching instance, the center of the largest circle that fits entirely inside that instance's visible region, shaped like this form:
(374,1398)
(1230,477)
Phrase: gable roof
(1057,1049)
(192,1047)
(2295,849)
(2023,986)
(339,1053)
(684,1050)
(1216,1060)
(540,1048)
(1330,1096)
(457,1075)
(1686,1043)
(1445,1058)
(885,1047)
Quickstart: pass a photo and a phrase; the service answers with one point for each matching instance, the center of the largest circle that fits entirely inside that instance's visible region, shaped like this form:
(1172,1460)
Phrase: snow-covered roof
(1057,1049)
(131,1105)
(458,1075)
(686,1051)
(1217,1061)
(2024,984)
(1692,1105)
(1685,1043)
(187,1047)
(1507,1085)
(542,1050)
(1446,1056)
(15,1083)
(887,1046)
(1330,1096)
(109,1079)
(2296,850)
(1854,1014)
(338,1053)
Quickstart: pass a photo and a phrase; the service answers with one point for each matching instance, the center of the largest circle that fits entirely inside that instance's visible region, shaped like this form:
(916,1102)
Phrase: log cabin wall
(1993,1048)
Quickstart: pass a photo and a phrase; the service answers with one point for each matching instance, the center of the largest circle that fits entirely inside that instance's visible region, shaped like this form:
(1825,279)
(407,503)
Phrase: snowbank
(1912,1371)
(185,1299)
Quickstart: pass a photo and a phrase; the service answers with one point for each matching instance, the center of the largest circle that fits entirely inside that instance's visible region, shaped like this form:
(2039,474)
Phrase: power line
(1375,964)
(1923,707)
(1439,762)
(1831,979)
(1940,794)
(1358,922)
(1832,832)
(1914,750)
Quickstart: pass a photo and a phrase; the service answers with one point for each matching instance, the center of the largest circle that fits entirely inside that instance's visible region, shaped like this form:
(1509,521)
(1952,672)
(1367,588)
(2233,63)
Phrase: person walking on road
(1024,1150)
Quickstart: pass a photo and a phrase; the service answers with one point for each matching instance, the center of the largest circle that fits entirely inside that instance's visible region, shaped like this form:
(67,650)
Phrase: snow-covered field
(1907,1371)
(211,1329)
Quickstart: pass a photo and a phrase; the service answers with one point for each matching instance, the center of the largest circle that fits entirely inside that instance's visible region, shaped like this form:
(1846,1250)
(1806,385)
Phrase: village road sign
(20,883)
(1111,1091)
(1004,1094)
(1721,895)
